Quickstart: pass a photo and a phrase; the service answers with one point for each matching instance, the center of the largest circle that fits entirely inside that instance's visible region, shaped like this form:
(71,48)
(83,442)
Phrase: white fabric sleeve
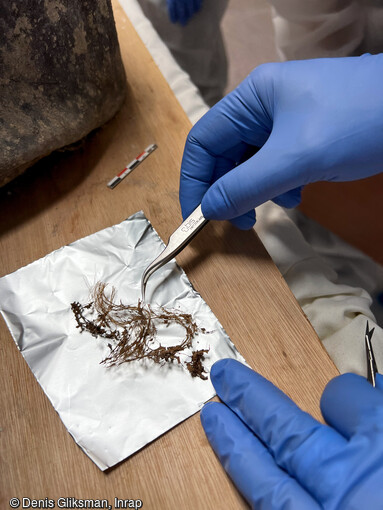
(332,281)
(317,28)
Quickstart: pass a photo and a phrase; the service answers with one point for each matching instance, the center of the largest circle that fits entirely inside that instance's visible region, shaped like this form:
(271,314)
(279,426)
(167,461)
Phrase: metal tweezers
(177,242)
(372,369)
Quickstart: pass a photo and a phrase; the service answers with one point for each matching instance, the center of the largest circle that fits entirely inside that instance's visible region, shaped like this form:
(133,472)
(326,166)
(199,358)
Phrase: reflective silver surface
(110,412)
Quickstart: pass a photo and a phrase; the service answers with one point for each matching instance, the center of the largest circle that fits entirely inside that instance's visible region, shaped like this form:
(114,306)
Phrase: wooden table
(64,198)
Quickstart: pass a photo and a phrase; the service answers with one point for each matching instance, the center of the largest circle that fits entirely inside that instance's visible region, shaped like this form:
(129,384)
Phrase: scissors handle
(177,241)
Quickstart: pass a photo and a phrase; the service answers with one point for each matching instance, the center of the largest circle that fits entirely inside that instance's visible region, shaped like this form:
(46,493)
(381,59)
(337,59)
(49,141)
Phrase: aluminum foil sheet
(110,412)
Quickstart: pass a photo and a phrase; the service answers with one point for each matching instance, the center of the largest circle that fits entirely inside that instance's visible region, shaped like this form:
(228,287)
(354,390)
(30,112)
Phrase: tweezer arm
(177,241)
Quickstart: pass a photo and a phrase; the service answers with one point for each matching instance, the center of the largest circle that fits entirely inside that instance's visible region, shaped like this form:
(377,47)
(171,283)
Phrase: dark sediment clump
(131,331)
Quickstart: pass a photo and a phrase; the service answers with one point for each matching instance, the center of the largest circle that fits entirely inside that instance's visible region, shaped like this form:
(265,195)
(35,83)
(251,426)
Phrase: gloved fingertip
(220,372)
(209,407)
(347,403)
(187,207)
(336,388)
(290,199)
(218,368)
(185,212)
(379,381)
(197,5)
(338,383)
(215,207)
(244,222)
(171,11)
(206,208)
(208,411)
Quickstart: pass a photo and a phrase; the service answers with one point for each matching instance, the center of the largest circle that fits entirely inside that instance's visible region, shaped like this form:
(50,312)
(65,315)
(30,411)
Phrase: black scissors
(372,369)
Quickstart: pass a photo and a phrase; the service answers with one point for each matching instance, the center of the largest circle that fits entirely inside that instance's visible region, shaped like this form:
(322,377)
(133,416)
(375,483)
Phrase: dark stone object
(61,76)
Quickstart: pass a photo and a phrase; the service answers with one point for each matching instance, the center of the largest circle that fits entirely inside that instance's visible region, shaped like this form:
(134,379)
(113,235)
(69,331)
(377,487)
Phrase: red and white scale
(131,166)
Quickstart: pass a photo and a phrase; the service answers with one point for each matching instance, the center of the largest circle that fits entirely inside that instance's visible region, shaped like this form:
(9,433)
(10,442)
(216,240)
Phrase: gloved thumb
(271,172)
(379,381)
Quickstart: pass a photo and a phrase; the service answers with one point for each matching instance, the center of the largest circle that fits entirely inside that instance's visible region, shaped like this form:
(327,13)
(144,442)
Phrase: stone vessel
(61,76)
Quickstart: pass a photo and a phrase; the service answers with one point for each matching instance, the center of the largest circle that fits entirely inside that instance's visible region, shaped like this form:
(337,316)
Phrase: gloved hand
(182,10)
(280,457)
(315,120)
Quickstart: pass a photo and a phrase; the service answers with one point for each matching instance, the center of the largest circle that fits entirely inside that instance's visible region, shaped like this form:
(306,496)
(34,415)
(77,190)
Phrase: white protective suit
(197,47)
(303,29)
(327,28)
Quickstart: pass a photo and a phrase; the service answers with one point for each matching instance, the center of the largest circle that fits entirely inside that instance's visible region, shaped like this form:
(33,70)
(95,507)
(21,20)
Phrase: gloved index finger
(298,442)
(199,170)
(350,404)
(220,139)
(249,463)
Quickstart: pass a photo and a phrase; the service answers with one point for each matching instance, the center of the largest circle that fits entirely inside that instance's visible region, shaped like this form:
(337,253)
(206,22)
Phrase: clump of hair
(131,331)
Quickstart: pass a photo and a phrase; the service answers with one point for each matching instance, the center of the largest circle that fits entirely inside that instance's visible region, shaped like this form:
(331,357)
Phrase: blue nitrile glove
(315,120)
(182,10)
(280,457)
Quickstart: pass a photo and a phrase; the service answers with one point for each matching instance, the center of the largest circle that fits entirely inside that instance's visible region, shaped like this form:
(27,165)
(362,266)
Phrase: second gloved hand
(314,120)
(280,457)
(182,10)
